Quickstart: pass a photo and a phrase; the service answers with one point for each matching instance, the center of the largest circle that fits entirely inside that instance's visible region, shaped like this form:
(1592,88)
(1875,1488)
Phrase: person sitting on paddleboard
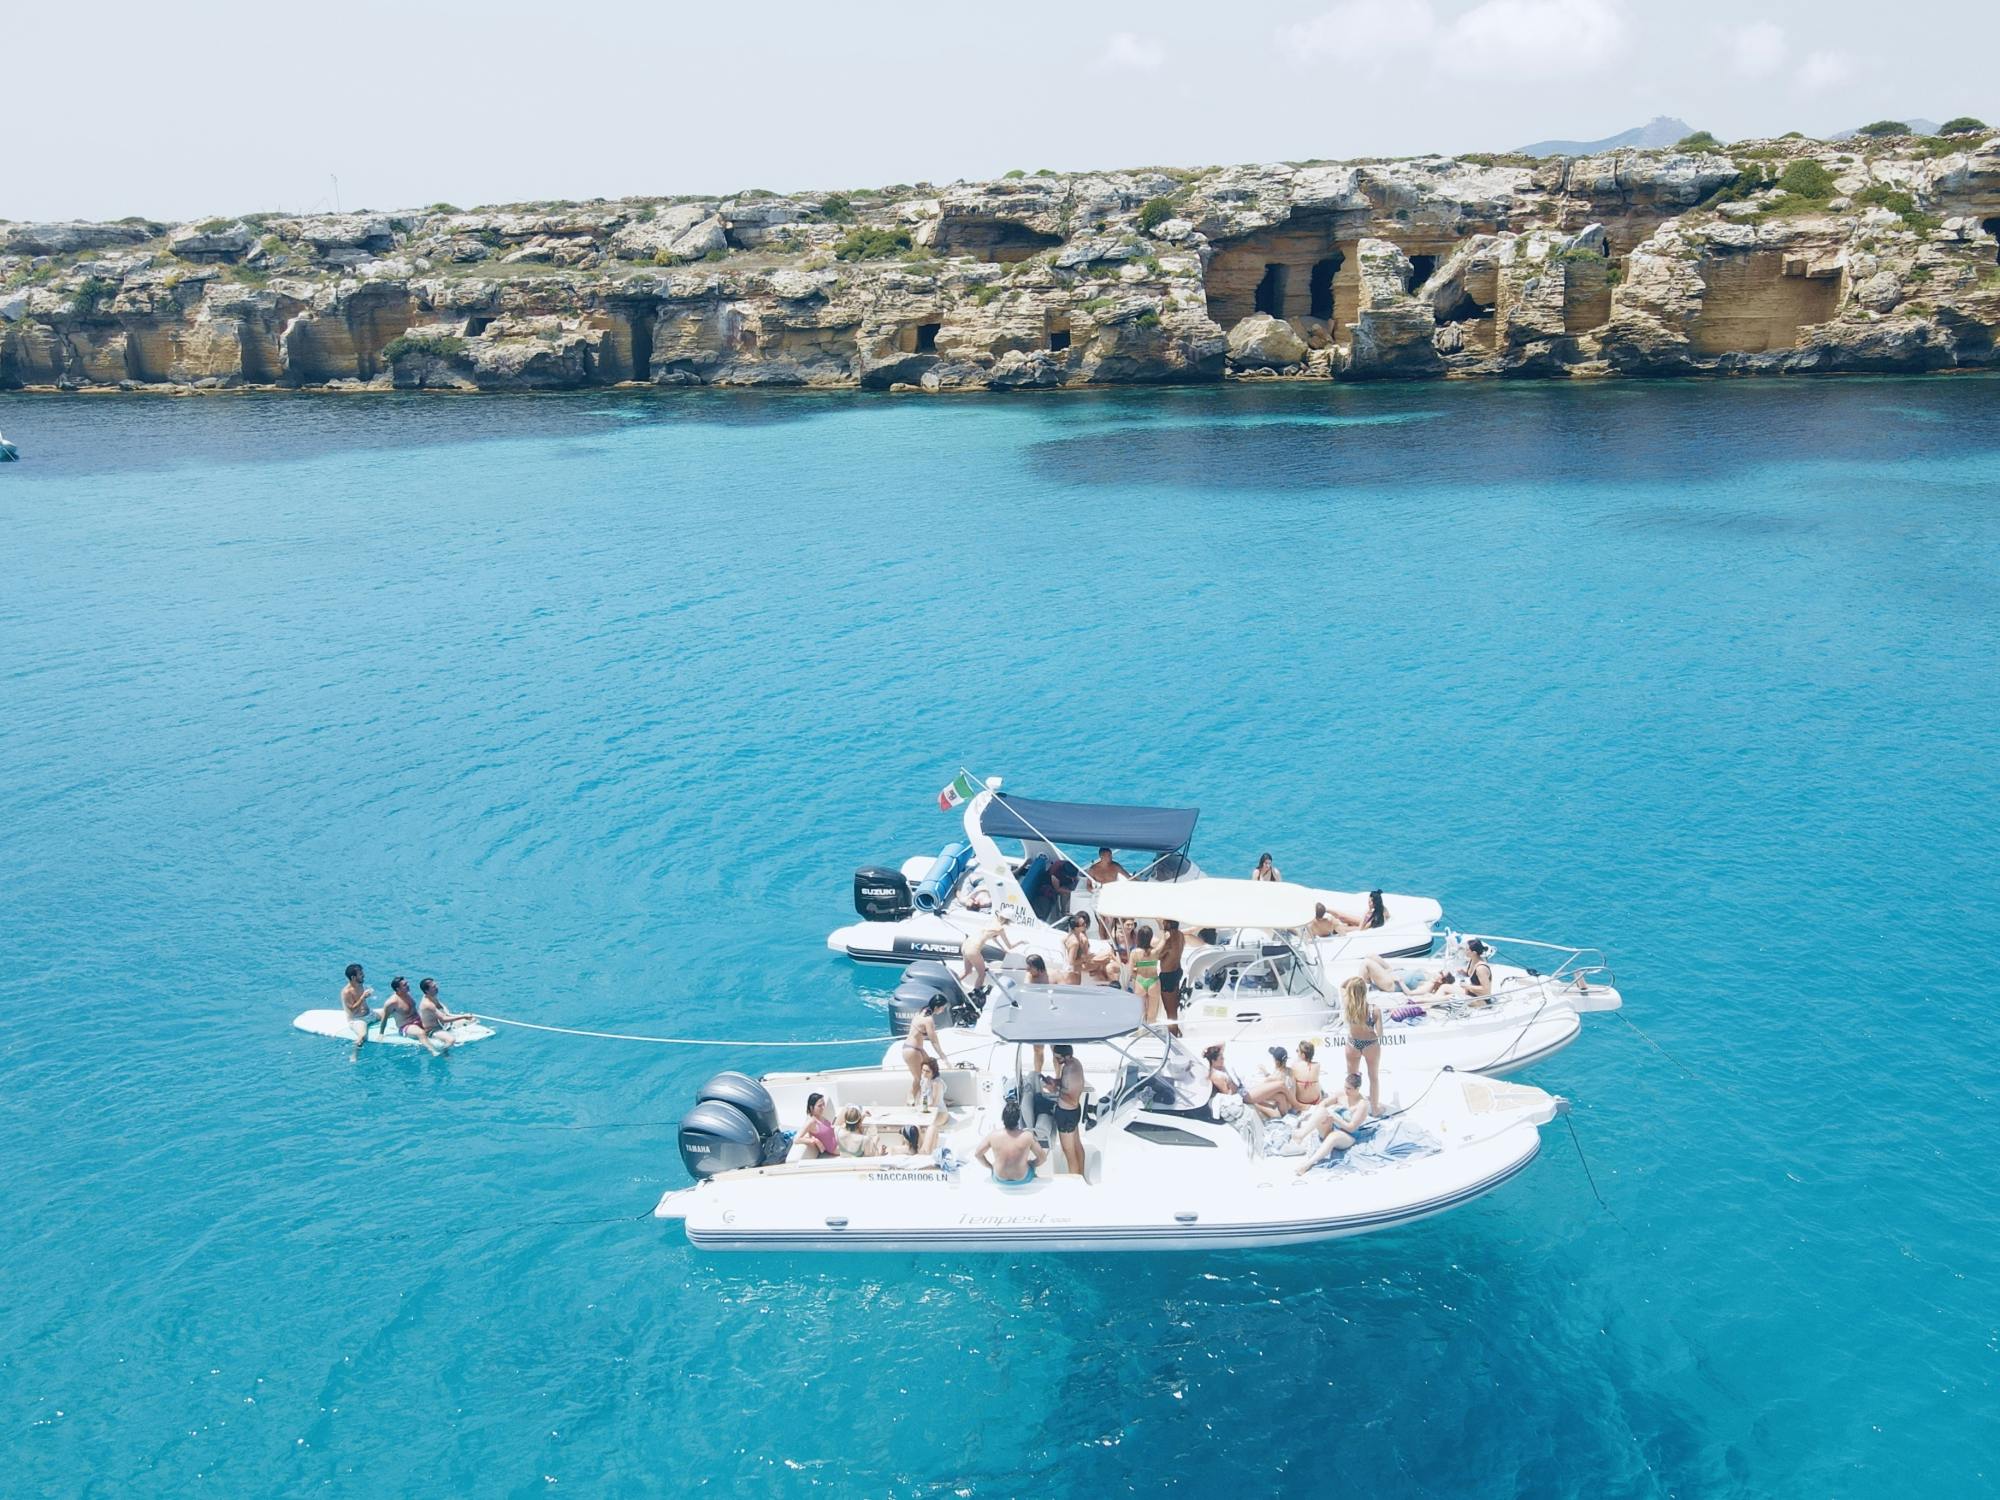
(354,1001)
(400,1009)
(432,1015)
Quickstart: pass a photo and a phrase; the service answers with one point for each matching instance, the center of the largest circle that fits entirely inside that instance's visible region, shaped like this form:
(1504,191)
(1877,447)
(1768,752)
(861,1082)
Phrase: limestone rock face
(1261,341)
(211,242)
(1394,331)
(1623,263)
(678,234)
(68,238)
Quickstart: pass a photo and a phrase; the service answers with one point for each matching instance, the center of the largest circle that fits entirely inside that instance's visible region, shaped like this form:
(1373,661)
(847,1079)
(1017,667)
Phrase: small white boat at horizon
(1162,1169)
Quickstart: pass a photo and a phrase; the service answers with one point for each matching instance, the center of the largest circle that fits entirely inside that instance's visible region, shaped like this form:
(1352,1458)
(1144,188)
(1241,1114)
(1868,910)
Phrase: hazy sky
(202,107)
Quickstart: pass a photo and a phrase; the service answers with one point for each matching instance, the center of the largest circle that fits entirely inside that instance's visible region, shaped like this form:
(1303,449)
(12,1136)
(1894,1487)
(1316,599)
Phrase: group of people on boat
(855,1133)
(1289,1085)
(422,1017)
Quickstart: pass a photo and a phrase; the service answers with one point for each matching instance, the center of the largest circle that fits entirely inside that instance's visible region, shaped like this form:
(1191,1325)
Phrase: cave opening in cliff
(1319,286)
(1421,267)
(1270,296)
(642,346)
(927,337)
(1992,227)
(1467,309)
(476,325)
(1058,340)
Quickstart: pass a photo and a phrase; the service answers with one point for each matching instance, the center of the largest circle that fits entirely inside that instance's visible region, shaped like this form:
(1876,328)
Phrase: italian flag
(961,787)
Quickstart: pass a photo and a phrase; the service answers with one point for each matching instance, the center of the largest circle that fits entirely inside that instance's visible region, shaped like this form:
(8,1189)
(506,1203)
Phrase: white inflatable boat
(1164,1165)
(932,904)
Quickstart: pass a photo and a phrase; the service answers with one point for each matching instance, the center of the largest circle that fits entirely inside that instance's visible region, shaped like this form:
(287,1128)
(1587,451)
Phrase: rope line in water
(879,1039)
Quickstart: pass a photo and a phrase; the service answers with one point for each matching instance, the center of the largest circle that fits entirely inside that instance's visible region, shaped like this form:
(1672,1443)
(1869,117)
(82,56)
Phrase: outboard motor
(733,1124)
(881,895)
(922,980)
(747,1095)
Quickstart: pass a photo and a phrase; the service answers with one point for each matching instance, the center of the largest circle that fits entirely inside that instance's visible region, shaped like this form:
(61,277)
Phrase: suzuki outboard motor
(734,1124)
(933,892)
(881,895)
(921,980)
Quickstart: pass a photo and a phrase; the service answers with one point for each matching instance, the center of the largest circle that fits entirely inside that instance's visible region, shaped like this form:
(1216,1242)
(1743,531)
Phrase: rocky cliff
(1763,256)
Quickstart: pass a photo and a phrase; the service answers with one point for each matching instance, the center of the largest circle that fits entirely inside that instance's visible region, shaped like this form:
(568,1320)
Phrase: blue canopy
(1157,830)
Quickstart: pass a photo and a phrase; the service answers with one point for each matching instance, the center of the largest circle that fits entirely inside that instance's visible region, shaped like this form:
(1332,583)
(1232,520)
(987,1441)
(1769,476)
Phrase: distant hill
(1917,123)
(1662,130)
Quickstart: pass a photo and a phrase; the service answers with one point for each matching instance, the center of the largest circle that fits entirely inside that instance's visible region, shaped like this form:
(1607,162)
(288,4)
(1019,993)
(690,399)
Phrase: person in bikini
(1011,1153)
(974,955)
(354,1001)
(1146,973)
(1475,984)
(1364,1037)
(921,1042)
(1305,1076)
(1173,943)
(1076,950)
(1270,1093)
(1336,1127)
(1265,869)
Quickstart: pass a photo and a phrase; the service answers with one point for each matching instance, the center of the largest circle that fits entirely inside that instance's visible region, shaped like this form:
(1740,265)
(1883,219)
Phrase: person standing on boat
(1364,1037)
(1106,869)
(1011,1153)
(1173,943)
(1146,973)
(354,1000)
(1076,949)
(923,1035)
(1265,869)
(974,955)
(1069,1086)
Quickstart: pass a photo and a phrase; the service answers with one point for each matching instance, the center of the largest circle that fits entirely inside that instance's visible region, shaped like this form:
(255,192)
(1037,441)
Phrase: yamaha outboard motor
(922,980)
(734,1124)
(881,895)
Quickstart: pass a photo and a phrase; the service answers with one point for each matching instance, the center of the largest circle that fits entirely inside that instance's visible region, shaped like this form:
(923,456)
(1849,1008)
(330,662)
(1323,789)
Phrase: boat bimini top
(1156,830)
(1040,1013)
(1212,902)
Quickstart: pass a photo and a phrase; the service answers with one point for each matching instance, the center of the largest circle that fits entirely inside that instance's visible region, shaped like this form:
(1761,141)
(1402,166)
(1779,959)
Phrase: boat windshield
(1161,1068)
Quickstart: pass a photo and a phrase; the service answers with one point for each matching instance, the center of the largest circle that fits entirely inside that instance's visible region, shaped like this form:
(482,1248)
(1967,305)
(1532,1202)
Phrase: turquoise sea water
(590,706)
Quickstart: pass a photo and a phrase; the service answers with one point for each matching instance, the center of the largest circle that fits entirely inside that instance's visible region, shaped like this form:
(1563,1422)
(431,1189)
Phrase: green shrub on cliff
(836,208)
(92,295)
(1806,178)
(1877,128)
(1154,212)
(1700,140)
(1899,203)
(872,244)
(436,345)
(1962,125)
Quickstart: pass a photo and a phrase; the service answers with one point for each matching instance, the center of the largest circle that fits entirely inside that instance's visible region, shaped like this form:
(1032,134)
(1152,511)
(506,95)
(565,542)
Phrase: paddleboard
(334,1023)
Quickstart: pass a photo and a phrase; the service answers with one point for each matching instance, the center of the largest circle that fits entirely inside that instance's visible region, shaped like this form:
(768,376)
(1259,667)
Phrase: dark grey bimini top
(1061,1012)
(1157,830)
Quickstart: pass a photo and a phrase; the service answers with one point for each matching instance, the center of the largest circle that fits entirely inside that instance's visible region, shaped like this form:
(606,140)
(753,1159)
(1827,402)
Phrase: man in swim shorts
(1106,869)
(1011,1153)
(1069,1106)
(1172,944)
(354,1001)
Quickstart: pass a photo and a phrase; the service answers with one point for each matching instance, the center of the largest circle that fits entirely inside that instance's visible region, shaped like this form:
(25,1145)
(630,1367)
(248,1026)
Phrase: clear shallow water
(590,707)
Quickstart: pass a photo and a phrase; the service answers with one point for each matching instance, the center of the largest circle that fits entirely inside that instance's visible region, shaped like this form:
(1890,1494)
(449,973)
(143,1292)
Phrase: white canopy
(1211,902)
